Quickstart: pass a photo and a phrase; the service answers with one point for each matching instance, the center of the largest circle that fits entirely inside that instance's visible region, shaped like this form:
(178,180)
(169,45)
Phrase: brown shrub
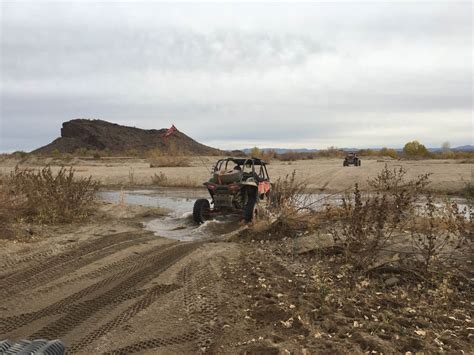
(441,232)
(10,207)
(168,161)
(289,156)
(173,158)
(49,197)
(364,226)
(159,179)
(287,214)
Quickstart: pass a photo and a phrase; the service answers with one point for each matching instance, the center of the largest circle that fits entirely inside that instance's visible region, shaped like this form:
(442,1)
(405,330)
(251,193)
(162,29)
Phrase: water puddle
(179,223)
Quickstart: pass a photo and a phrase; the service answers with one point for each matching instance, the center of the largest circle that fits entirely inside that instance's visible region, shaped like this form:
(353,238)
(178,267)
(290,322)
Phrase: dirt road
(118,293)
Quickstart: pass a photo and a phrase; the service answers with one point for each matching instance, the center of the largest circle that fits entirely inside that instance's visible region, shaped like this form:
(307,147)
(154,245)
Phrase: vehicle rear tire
(201,211)
(249,208)
(359,163)
(345,163)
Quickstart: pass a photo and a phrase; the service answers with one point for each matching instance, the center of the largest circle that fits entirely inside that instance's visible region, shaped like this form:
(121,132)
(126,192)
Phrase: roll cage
(250,167)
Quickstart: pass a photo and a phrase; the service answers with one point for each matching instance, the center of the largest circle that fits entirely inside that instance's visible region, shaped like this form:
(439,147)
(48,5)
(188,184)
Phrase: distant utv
(351,159)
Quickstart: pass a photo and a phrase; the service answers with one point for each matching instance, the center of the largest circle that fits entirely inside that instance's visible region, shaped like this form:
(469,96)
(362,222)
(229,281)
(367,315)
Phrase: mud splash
(179,223)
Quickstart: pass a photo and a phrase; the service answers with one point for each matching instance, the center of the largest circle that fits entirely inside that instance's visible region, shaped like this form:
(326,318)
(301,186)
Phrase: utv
(236,187)
(351,159)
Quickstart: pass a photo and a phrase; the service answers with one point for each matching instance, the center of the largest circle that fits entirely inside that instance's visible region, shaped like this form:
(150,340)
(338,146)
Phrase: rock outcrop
(102,135)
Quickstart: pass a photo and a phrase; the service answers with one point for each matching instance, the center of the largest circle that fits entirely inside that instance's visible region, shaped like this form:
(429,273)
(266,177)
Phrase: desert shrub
(388,152)
(255,152)
(443,231)
(95,154)
(131,176)
(269,155)
(159,179)
(53,197)
(172,158)
(20,154)
(67,158)
(331,152)
(287,214)
(467,155)
(288,193)
(289,156)
(168,161)
(56,153)
(468,190)
(401,192)
(367,152)
(81,152)
(132,153)
(448,155)
(10,209)
(415,149)
(364,226)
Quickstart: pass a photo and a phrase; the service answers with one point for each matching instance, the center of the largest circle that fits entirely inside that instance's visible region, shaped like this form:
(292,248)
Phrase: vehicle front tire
(201,211)
(249,208)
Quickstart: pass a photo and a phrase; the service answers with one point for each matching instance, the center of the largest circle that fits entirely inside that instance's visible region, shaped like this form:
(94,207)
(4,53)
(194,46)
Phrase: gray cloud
(298,75)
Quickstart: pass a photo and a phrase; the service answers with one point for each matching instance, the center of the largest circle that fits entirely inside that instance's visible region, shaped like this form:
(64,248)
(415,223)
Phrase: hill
(103,135)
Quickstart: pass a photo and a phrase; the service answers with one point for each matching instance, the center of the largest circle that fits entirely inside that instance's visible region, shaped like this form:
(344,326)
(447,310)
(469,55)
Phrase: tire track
(106,269)
(154,344)
(152,295)
(11,323)
(56,266)
(87,309)
(200,304)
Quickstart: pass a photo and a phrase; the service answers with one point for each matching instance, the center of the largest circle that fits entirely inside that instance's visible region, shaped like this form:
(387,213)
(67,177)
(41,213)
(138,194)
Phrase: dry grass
(162,180)
(10,207)
(172,158)
(157,161)
(48,197)
(288,213)
(159,179)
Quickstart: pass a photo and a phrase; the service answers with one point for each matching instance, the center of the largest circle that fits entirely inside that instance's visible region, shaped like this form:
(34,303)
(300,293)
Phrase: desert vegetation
(388,270)
(44,197)
(413,150)
(173,157)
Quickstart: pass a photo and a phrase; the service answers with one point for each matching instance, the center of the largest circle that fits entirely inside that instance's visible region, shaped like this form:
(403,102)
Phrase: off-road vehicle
(237,186)
(351,159)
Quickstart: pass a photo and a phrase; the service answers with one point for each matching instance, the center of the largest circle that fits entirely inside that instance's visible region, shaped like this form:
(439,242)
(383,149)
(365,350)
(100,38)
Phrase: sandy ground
(327,175)
(110,287)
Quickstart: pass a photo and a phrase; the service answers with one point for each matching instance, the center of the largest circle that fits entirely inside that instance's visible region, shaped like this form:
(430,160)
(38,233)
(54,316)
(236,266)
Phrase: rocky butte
(103,135)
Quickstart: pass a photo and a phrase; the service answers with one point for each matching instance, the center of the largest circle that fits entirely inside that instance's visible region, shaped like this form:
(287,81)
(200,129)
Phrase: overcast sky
(347,74)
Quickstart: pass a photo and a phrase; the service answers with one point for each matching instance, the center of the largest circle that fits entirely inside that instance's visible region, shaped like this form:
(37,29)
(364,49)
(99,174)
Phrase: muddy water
(179,223)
